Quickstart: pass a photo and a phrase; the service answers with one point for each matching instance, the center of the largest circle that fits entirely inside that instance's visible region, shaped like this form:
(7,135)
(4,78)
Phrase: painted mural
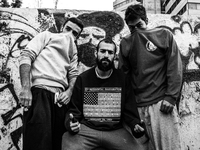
(19,26)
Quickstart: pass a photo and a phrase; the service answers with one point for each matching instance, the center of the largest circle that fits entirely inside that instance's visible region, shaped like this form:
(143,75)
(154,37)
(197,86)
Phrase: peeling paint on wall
(19,26)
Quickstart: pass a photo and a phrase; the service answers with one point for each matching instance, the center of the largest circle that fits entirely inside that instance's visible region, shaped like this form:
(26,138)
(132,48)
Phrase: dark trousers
(90,139)
(43,123)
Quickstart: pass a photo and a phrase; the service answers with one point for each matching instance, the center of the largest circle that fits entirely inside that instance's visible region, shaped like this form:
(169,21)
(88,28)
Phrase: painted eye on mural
(84,35)
(98,36)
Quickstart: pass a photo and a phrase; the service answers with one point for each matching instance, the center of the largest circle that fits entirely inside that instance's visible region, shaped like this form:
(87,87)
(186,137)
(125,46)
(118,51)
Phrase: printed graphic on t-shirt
(150,46)
(102,104)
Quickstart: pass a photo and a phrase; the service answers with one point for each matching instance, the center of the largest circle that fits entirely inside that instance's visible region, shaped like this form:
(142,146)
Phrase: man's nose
(106,54)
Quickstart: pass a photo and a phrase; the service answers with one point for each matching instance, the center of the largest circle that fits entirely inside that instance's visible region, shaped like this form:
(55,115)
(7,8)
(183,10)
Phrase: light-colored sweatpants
(163,129)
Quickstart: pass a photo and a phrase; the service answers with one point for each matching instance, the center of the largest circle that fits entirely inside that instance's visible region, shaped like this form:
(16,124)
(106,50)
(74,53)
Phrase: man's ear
(95,53)
(115,56)
(61,29)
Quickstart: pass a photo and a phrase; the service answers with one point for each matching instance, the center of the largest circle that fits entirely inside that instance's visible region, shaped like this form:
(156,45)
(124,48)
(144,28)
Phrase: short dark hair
(107,40)
(135,11)
(76,21)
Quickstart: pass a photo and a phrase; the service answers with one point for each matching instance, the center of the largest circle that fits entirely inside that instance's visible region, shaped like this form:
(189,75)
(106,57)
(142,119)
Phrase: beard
(86,54)
(104,64)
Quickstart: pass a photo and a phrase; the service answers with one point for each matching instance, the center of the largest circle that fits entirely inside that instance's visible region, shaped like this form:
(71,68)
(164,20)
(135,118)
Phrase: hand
(25,98)
(138,128)
(75,126)
(64,97)
(166,107)
(141,129)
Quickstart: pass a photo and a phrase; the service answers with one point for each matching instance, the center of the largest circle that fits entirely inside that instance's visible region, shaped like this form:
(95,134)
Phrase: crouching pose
(99,104)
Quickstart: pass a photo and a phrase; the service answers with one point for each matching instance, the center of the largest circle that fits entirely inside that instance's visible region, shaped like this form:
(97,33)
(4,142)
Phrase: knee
(71,142)
(66,141)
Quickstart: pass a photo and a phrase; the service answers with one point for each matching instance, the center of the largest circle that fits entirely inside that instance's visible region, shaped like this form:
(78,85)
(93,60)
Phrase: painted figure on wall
(98,25)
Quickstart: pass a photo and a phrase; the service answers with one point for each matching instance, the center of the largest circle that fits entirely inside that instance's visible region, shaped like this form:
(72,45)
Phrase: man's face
(87,42)
(72,28)
(137,24)
(105,56)
(91,35)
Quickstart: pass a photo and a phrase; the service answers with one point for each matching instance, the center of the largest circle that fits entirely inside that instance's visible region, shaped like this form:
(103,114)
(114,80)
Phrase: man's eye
(110,53)
(68,28)
(103,51)
(139,24)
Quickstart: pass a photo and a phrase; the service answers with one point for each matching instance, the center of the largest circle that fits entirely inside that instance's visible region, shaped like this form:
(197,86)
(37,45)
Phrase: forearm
(71,85)
(25,95)
(75,107)
(174,73)
(25,75)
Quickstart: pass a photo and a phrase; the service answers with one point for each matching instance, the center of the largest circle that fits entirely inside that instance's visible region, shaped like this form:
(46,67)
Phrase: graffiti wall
(19,26)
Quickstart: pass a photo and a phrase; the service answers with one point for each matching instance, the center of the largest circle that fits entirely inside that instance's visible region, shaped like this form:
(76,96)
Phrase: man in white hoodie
(48,70)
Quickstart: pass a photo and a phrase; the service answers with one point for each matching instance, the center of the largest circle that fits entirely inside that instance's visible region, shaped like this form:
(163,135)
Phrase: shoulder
(45,33)
(160,32)
(126,39)
(126,44)
(119,73)
(163,30)
(87,73)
